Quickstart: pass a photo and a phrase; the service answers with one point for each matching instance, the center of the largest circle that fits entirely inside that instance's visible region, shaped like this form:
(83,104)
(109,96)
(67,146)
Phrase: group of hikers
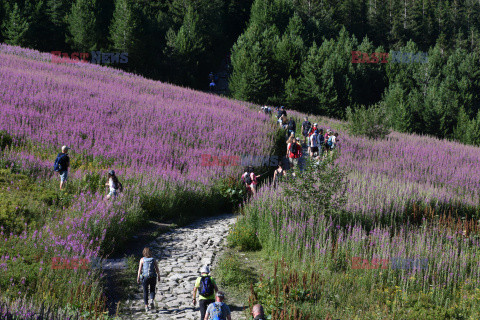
(211,300)
(62,163)
(319,145)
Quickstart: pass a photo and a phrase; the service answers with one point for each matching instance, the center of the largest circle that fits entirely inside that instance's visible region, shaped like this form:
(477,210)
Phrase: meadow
(404,197)
(152,134)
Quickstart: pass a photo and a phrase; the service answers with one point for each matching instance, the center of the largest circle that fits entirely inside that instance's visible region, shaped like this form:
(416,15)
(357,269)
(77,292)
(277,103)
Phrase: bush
(371,122)
(243,236)
(5,140)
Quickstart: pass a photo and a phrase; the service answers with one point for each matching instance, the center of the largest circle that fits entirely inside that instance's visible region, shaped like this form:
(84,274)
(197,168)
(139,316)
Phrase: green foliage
(5,140)
(323,185)
(243,236)
(371,122)
(15,28)
(124,26)
(233,272)
(83,25)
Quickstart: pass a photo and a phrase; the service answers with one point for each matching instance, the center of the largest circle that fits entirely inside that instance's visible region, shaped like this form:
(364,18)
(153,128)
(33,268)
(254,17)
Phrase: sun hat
(65,148)
(205,269)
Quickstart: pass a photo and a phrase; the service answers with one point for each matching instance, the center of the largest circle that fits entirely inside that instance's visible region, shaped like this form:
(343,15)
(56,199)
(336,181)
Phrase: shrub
(371,122)
(5,140)
(243,236)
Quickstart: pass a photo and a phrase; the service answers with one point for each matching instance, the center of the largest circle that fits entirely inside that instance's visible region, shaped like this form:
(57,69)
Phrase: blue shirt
(218,309)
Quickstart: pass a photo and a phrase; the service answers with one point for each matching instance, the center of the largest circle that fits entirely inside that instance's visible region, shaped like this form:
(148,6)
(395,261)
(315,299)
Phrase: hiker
(210,76)
(334,140)
(212,85)
(292,127)
(250,180)
(313,144)
(279,172)
(115,185)
(312,130)
(61,165)
(306,127)
(294,152)
(148,273)
(284,121)
(218,310)
(321,142)
(327,137)
(280,113)
(207,288)
(257,312)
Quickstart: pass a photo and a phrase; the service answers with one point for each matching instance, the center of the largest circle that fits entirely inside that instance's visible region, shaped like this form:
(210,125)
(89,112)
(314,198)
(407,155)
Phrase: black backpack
(307,125)
(248,178)
(60,162)
(206,286)
(291,125)
(293,148)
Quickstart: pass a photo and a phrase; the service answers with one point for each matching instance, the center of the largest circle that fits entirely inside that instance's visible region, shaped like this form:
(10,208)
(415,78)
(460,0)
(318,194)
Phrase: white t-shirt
(111,184)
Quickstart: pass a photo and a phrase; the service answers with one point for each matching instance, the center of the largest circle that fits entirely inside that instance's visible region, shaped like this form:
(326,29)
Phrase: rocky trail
(180,254)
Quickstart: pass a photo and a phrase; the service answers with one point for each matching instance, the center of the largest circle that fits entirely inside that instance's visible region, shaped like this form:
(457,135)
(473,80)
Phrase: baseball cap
(220,294)
(65,148)
(315,124)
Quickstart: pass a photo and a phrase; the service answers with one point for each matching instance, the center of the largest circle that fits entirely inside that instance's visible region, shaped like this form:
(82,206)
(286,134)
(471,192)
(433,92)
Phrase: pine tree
(83,26)
(15,28)
(123,27)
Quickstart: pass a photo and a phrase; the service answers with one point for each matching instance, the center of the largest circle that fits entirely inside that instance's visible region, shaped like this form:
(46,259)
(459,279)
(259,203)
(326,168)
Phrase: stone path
(180,254)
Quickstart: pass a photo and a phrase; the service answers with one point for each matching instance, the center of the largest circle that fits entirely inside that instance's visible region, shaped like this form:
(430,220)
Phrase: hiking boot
(147,308)
(152,306)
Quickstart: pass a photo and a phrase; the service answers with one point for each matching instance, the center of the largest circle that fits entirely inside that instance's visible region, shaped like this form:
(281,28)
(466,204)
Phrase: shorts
(63,175)
(293,161)
(314,149)
(113,193)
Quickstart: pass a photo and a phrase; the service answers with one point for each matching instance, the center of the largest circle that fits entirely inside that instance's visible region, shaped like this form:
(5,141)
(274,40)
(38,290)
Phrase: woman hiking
(279,172)
(148,273)
(114,184)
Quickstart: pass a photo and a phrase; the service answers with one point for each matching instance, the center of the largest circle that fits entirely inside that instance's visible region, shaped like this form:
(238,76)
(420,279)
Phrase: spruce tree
(82,24)
(124,24)
(16,26)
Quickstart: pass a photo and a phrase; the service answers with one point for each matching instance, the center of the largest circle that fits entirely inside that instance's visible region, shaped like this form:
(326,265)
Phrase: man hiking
(294,152)
(292,127)
(306,126)
(218,310)
(257,312)
(280,113)
(61,165)
(207,288)
(148,273)
(313,144)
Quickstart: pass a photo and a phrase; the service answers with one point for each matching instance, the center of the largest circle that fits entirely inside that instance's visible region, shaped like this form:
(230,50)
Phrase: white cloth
(314,140)
(111,185)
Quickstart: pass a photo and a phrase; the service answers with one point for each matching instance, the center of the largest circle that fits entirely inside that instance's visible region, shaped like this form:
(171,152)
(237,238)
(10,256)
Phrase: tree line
(295,53)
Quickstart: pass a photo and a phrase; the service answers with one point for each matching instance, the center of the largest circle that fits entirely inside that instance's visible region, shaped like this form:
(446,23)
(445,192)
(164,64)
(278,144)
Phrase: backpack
(59,164)
(148,270)
(307,125)
(321,139)
(294,148)
(329,142)
(206,286)
(217,312)
(291,125)
(248,178)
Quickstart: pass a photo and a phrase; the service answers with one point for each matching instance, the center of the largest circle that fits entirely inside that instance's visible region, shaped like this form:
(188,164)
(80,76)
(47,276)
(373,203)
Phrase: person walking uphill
(148,273)
(257,312)
(294,152)
(114,184)
(207,288)
(61,165)
(218,310)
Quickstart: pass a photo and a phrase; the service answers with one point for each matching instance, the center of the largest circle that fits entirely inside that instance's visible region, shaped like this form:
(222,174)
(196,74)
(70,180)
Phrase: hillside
(152,134)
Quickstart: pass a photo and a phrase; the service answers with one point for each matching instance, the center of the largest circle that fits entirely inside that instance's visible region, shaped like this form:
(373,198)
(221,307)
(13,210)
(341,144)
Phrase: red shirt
(296,155)
(312,131)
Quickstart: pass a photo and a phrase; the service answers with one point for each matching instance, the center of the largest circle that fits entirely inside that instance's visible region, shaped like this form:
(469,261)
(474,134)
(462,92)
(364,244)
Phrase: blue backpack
(217,312)
(206,286)
(329,142)
(59,163)
(148,270)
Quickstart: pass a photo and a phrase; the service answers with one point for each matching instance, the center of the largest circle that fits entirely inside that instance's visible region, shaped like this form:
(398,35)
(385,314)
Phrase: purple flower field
(152,134)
